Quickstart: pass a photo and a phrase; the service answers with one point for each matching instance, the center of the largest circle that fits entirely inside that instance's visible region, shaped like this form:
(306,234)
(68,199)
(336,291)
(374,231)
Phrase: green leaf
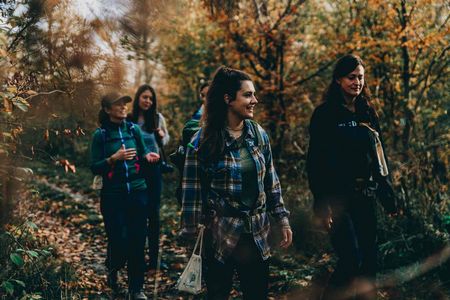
(46,253)
(31,225)
(8,287)
(16,259)
(21,283)
(32,253)
(21,103)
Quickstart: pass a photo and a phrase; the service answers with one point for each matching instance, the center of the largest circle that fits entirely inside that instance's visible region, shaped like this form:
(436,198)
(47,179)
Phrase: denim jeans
(125,218)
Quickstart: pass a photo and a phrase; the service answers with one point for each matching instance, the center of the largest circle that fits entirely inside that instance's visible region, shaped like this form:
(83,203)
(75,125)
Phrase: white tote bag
(191,279)
(97,183)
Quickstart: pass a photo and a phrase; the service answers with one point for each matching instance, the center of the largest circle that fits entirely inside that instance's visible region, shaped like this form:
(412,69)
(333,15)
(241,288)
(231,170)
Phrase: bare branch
(320,70)
(430,67)
(255,69)
(45,93)
(443,24)
(285,13)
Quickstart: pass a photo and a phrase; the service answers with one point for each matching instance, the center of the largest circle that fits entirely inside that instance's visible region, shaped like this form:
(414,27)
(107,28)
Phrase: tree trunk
(282,122)
(406,79)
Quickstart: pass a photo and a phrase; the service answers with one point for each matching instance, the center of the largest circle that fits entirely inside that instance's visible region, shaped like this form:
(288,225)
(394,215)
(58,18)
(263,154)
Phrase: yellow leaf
(11,89)
(31,92)
(7,135)
(7,105)
(3,53)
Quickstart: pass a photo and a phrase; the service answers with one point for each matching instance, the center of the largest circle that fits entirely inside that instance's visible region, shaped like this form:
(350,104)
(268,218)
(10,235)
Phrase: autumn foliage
(56,62)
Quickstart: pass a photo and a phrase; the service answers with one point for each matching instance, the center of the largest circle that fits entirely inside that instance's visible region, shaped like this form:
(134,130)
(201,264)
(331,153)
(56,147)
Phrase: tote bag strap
(384,171)
(199,242)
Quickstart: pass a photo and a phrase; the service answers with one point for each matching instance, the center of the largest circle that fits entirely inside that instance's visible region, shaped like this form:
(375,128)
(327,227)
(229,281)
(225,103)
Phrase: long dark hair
(103,117)
(151,115)
(226,81)
(333,94)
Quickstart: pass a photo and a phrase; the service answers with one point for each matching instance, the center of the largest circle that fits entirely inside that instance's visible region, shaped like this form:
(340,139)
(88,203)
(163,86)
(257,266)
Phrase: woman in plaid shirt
(230,185)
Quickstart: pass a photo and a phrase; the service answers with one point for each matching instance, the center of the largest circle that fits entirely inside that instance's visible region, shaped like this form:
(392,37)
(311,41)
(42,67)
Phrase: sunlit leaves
(20,103)
(66,165)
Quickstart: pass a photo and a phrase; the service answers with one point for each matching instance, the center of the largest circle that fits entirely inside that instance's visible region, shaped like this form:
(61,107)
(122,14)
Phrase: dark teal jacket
(123,176)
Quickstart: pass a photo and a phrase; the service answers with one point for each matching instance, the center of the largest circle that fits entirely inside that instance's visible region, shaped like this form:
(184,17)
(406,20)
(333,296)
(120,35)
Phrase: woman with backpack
(154,130)
(347,169)
(230,185)
(117,153)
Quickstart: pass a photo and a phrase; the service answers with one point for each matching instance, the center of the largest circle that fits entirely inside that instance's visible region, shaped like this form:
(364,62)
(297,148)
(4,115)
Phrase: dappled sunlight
(58,57)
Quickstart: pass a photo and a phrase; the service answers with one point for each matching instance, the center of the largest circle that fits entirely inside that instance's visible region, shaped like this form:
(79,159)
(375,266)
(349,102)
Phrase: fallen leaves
(67,165)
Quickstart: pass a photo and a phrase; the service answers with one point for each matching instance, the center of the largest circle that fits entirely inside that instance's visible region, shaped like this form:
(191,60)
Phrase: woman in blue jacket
(154,130)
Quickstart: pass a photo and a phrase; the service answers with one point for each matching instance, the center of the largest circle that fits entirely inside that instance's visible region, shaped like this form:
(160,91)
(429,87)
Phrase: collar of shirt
(232,144)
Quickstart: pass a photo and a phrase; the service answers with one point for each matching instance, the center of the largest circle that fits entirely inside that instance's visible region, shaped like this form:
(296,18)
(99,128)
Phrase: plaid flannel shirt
(225,188)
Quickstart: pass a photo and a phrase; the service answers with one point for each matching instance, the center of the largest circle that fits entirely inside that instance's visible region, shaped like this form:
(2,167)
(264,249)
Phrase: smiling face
(117,112)
(352,83)
(243,106)
(145,100)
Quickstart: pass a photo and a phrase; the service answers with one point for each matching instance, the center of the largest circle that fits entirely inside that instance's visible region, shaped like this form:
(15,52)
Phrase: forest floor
(67,213)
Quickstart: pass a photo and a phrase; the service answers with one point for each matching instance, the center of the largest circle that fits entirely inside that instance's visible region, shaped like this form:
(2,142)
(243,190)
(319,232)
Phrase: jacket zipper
(125,162)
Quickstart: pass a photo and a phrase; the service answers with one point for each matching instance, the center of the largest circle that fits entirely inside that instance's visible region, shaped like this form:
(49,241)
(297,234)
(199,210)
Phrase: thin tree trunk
(406,78)
(282,128)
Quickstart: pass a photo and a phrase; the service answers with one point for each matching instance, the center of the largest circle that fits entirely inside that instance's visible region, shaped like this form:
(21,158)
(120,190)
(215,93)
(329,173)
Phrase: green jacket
(189,129)
(123,176)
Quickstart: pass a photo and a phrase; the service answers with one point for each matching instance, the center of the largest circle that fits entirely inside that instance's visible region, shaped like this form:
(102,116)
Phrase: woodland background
(58,56)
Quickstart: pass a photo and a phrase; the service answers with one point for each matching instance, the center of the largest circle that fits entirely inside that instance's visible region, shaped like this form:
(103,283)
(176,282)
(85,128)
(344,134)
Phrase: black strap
(160,145)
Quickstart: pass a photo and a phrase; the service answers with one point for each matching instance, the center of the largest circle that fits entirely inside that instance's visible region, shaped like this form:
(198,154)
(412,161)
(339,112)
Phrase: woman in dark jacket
(116,150)
(347,168)
(229,178)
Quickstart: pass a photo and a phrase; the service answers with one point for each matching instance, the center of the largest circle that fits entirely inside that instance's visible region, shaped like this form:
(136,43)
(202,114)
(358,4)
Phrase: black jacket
(341,150)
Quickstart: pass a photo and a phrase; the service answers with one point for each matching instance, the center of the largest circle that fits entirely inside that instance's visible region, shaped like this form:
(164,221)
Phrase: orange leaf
(46,135)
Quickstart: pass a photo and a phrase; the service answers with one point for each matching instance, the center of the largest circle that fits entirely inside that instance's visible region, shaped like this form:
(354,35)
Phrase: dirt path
(71,221)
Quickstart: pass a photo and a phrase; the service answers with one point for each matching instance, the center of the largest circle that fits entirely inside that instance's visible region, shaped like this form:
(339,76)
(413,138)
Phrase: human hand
(124,154)
(286,233)
(152,157)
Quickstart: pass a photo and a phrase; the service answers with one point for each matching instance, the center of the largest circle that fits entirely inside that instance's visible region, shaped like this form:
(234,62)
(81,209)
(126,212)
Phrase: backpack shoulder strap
(255,130)
(131,129)
(196,142)
(102,131)
(158,119)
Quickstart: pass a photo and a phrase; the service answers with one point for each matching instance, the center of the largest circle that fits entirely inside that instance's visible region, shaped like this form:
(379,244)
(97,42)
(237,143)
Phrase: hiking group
(229,184)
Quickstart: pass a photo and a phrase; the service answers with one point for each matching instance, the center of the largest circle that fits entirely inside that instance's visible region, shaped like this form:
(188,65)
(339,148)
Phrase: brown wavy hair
(333,94)
(226,81)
